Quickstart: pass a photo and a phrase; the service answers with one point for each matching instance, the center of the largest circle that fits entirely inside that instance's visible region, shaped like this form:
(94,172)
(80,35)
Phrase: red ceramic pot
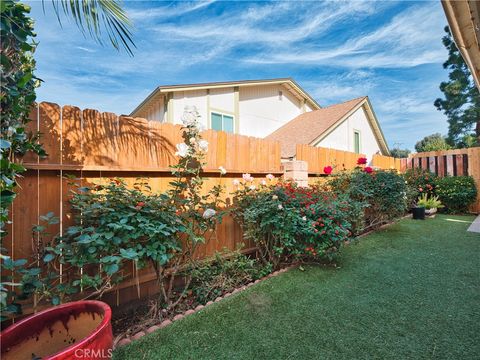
(76,330)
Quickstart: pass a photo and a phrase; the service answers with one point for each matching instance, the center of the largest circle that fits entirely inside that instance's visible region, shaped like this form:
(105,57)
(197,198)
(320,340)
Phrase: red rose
(368,170)
(327,170)
(361,161)
(140,204)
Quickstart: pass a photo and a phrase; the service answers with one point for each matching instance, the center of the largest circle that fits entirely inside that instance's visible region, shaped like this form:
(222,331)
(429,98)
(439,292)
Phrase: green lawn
(410,291)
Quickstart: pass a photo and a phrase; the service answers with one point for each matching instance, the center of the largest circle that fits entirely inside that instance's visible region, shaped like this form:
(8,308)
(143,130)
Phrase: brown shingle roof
(308,126)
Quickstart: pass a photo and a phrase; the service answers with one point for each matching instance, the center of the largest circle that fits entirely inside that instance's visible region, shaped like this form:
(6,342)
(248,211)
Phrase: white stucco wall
(196,98)
(342,137)
(155,111)
(262,111)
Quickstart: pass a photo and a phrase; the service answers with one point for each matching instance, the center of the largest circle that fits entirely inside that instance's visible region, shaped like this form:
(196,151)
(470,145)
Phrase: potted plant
(75,330)
(418,212)
(431,204)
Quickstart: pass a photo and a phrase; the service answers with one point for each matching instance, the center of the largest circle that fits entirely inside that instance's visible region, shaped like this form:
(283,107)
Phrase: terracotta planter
(76,330)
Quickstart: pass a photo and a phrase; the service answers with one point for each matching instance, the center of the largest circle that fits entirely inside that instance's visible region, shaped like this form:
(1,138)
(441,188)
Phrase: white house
(253,107)
(350,126)
(278,109)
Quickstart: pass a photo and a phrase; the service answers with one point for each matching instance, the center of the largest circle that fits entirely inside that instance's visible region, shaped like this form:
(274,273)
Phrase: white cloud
(163,12)
(254,27)
(409,39)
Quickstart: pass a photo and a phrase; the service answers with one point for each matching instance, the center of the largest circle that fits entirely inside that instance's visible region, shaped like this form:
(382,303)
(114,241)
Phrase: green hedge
(457,193)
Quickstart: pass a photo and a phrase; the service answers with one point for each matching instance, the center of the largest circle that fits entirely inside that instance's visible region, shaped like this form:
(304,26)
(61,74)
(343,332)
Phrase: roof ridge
(344,102)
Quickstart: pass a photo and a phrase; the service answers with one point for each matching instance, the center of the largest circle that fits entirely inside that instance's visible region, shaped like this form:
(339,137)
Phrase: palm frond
(99,18)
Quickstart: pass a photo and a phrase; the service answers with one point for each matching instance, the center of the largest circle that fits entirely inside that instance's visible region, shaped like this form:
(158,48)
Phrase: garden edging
(138,335)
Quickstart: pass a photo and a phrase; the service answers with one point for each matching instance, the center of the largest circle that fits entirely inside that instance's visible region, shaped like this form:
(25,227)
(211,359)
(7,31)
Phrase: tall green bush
(457,193)
(17,88)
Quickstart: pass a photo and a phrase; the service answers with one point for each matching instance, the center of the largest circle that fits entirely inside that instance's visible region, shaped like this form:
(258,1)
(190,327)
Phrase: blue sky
(390,51)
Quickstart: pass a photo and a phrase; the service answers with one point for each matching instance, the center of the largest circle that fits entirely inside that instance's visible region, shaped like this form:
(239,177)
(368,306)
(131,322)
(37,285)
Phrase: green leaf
(4,144)
(48,257)
(111,269)
(55,300)
(129,254)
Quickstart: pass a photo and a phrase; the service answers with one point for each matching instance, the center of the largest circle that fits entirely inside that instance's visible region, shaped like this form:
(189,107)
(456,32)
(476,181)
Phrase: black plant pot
(418,213)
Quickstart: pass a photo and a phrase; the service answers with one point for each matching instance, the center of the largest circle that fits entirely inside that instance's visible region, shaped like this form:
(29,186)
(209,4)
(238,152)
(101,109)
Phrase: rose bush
(287,222)
(375,197)
(419,181)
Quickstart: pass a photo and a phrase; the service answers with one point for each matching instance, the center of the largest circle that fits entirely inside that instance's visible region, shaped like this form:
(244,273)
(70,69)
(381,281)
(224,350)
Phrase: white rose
(270,177)
(190,116)
(304,218)
(263,182)
(182,150)
(203,145)
(274,197)
(247,177)
(223,171)
(252,187)
(280,207)
(193,140)
(207,214)
(236,182)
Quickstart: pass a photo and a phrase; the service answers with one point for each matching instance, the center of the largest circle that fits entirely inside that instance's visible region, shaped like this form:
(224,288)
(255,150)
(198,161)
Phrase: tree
(432,142)
(99,17)
(461,102)
(399,153)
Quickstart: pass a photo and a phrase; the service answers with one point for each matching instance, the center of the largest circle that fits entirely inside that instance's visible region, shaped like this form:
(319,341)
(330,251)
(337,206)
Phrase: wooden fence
(319,157)
(456,162)
(93,146)
(386,162)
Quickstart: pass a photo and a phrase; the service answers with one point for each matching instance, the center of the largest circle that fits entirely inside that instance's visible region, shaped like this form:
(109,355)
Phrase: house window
(356,141)
(222,122)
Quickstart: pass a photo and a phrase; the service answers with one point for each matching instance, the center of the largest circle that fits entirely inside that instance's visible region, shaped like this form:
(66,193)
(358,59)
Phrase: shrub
(115,225)
(419,181)
(287,222)
(225,272)
(457,193)
(323,226)
(381,194)
(264,218)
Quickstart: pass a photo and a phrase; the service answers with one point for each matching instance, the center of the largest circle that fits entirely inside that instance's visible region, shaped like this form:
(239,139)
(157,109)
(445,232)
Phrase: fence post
(296,170)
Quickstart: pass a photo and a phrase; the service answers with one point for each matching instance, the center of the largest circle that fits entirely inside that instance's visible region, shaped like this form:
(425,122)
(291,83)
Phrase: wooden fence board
(72,136)
(50,128)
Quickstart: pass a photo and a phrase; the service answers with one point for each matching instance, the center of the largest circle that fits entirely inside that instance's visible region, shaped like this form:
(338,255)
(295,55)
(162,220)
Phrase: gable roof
(311,127)
(288,83)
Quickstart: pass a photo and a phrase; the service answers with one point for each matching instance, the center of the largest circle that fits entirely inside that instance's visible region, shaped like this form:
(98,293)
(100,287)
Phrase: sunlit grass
(410,291)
